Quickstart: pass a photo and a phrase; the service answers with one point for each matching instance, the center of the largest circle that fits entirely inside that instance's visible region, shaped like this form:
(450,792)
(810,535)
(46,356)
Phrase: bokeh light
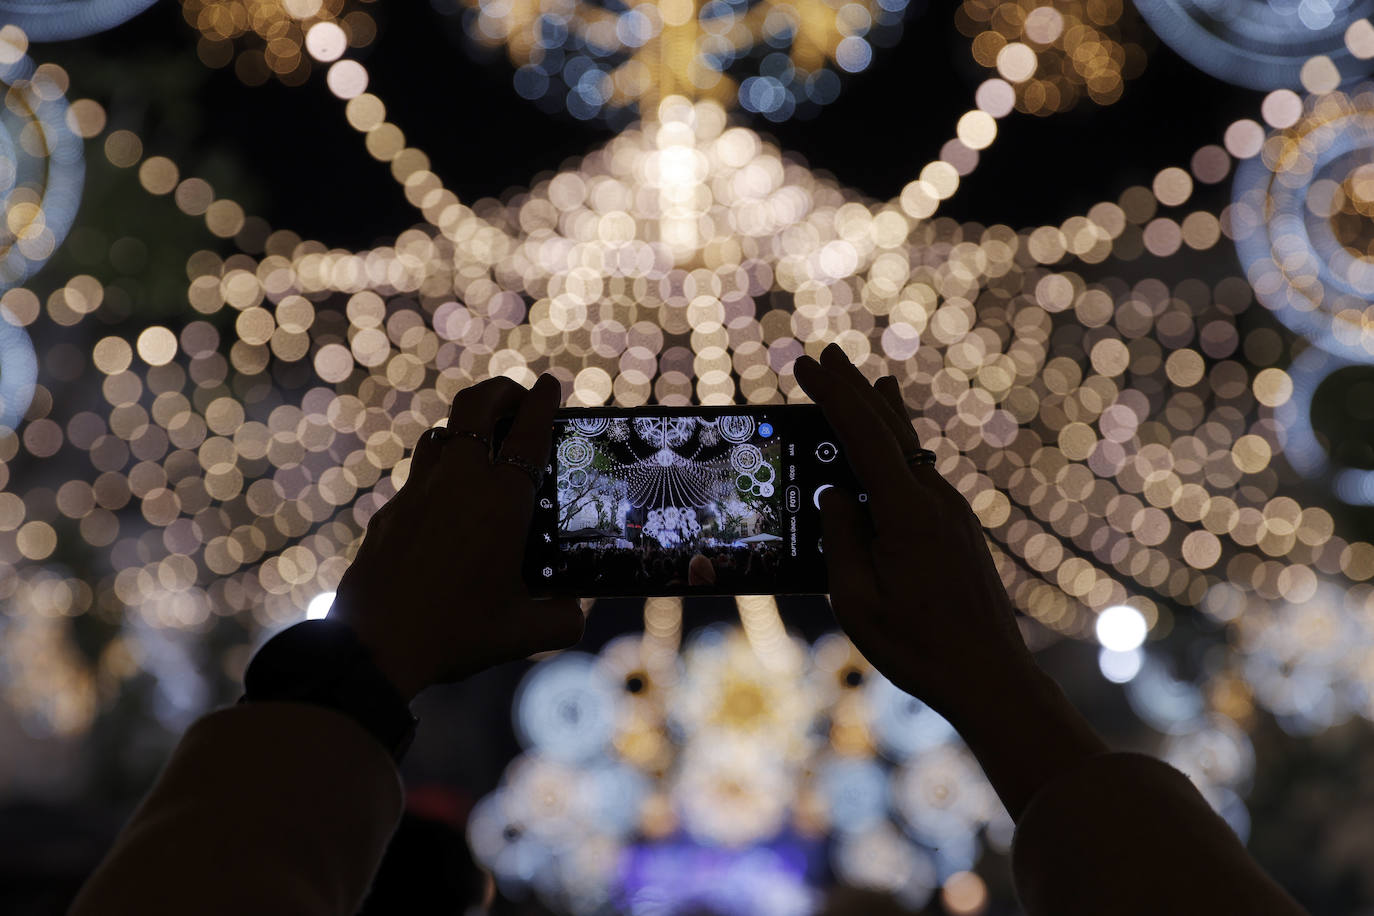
(1135,439)
(741,764)
(1120,665)
(319,606)
(1121,628)
(41,162)
(1264,44)
(270,39)
(1051,55)
(776,58)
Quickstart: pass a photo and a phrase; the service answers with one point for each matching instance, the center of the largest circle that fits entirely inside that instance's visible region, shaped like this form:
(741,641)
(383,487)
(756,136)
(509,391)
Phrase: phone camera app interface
(651,502)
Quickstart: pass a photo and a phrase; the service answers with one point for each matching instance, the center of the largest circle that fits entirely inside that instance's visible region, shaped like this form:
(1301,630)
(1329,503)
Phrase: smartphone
(683,501)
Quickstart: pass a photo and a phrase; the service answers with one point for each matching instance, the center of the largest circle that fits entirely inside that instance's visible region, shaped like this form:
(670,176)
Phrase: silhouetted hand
(914,586)
(435,591)
(911,580)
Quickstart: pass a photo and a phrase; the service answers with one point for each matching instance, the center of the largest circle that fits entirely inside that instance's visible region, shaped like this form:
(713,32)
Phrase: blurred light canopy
(1138,443)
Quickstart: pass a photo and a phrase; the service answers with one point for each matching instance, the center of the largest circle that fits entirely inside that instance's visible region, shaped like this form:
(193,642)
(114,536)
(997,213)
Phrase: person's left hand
(435,592)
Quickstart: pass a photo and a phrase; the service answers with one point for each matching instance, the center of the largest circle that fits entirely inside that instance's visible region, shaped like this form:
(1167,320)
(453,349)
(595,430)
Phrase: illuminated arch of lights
(1120,441)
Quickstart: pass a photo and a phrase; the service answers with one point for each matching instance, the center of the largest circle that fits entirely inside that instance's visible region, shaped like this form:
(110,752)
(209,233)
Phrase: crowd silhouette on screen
(651,565)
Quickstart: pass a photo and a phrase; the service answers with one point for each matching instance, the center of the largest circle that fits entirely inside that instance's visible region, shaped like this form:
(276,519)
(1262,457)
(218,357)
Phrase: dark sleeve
(263,808)
(1128,834)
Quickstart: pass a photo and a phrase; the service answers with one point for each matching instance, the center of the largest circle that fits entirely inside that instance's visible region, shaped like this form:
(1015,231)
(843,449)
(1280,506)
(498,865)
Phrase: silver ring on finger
(920,458)
(536,474)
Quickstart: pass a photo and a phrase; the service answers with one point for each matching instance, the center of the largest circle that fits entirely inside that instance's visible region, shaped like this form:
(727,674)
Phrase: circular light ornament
(565,708)
(1260,44)
(732,791)
(1121,628)
(60,20)
(41,164)
(746,458)
(611,795)
(1167,704)
(883,859)
(18,372)
(609,60)
(1303,226)
(855,792)
(1305,452)
(902,724)
(943,798)
(501,842)
(1215,752)
(591,426)
(737,427)
(1306,661)
(575,452)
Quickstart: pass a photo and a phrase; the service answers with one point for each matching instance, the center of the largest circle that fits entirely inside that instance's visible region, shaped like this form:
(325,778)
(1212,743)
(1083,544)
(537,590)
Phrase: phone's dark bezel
(806,578)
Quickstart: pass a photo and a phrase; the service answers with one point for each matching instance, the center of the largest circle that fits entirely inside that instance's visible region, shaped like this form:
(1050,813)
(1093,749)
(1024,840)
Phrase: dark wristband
(322,662)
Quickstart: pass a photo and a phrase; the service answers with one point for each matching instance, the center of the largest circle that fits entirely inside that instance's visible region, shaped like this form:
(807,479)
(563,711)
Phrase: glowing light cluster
(1303,659)
(774,56)
(1055,53)
(685,261)
(749,736)
(276,39)
(1122,441)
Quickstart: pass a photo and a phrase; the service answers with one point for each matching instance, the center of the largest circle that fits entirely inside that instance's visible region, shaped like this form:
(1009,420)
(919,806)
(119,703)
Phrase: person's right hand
(911,579)
(435,592)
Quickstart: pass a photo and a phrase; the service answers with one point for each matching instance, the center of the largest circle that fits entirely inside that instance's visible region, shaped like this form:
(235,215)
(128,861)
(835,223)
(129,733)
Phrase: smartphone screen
(676,501)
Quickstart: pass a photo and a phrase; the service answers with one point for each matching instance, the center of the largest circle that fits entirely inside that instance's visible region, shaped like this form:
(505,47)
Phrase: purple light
(679,876)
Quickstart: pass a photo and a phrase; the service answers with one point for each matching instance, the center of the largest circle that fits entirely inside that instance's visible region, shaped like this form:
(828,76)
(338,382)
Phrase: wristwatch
(323,662)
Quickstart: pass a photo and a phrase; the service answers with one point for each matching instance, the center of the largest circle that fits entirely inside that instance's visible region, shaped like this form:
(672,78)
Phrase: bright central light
(319,606)
(1121,628)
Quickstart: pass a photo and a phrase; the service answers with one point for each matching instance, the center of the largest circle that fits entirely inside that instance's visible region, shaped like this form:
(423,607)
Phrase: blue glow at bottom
(680,876)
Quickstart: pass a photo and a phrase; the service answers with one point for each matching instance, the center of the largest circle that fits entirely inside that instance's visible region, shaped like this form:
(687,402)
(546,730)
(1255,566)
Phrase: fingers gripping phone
(679,501)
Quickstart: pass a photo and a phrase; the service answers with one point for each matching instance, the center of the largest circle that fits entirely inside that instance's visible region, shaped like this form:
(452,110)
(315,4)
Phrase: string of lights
(1126,443)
